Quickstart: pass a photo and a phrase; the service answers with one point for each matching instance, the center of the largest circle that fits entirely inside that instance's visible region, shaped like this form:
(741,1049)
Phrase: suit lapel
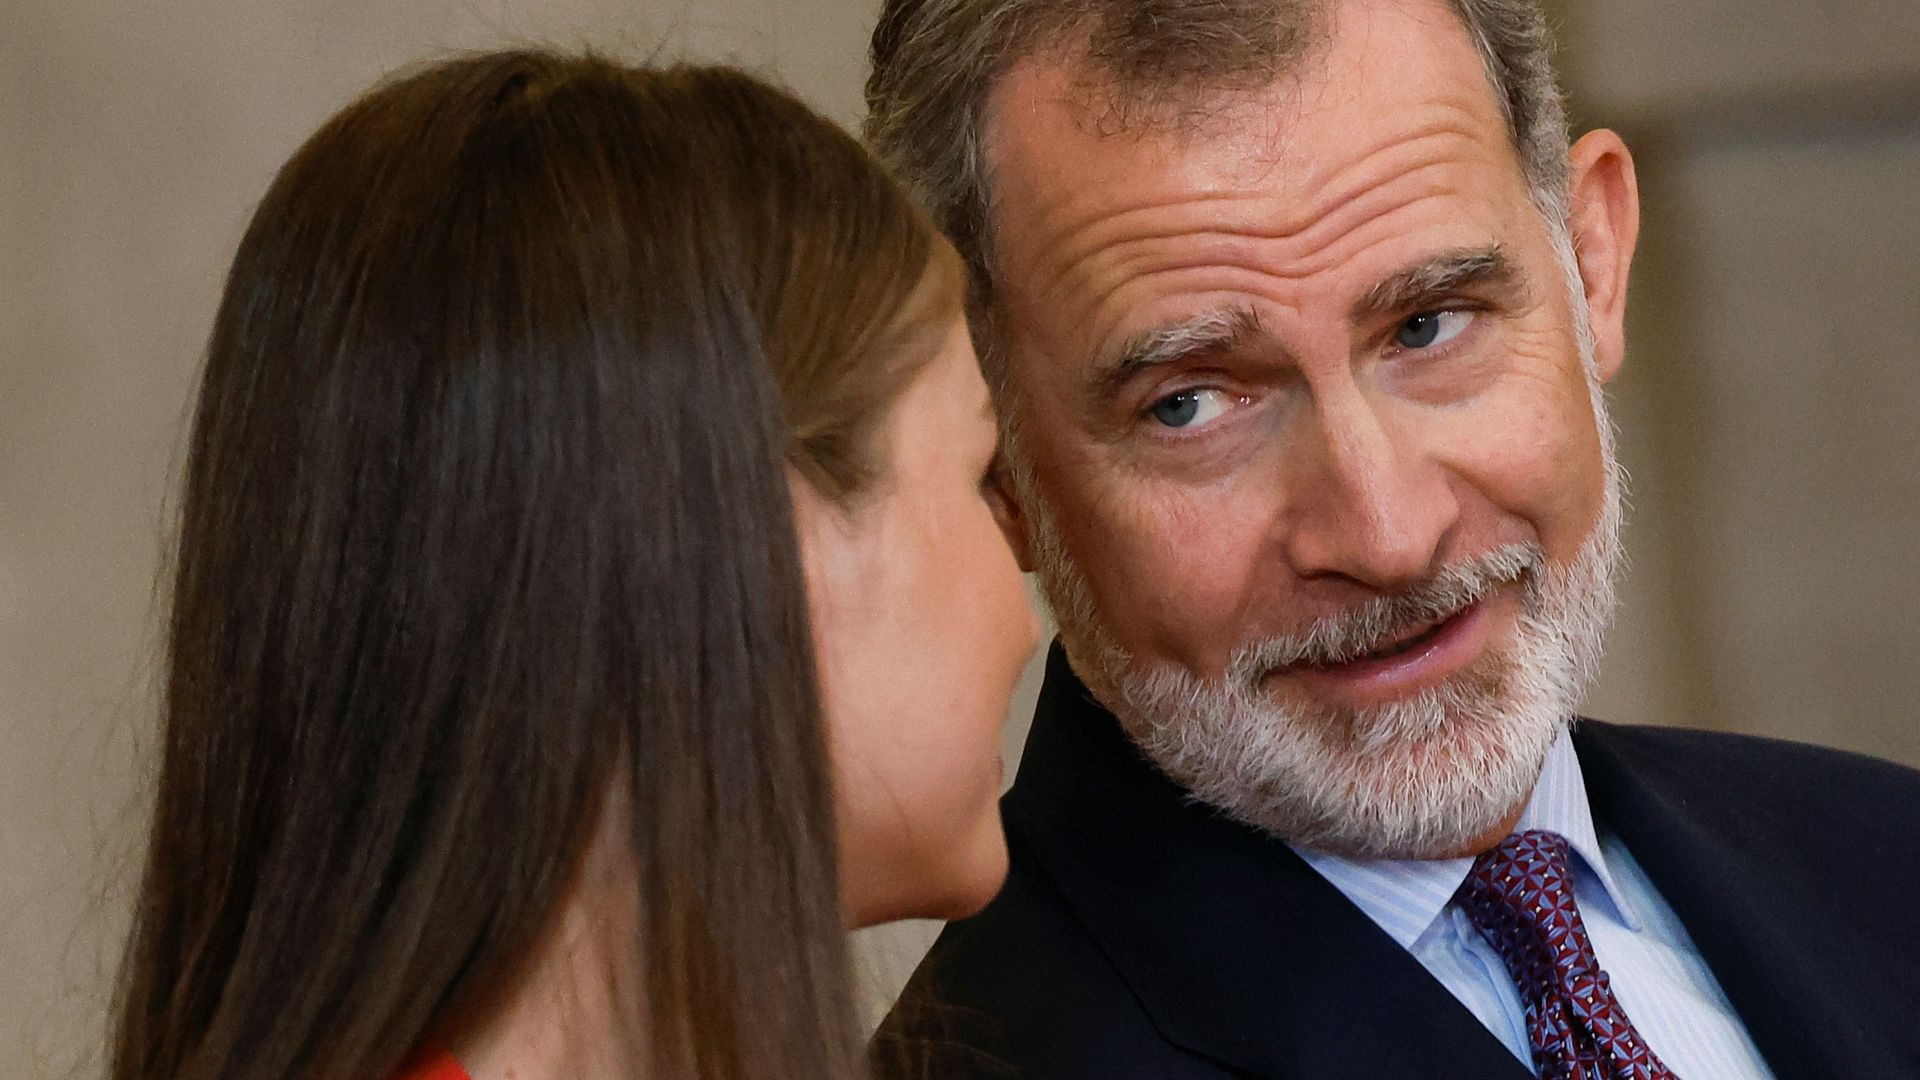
(1237,949)
(1728,869)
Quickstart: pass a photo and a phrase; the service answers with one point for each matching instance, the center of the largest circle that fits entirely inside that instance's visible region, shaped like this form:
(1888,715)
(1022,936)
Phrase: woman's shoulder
(433,1063)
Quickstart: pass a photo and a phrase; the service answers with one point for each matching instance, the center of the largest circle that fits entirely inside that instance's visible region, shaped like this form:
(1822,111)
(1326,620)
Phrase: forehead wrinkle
(1102,240)
(1299,255)
(1269,215)
(1258,162)
(1379,222)
(1247,268)
(1087,235)
(1086,256)
(1379,177)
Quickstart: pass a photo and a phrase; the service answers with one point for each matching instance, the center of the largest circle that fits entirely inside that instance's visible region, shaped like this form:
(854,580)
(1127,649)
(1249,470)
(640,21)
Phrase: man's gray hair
(936,62)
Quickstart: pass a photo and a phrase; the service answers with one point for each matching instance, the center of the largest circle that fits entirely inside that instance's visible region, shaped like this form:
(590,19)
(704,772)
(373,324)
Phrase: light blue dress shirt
(1657,974)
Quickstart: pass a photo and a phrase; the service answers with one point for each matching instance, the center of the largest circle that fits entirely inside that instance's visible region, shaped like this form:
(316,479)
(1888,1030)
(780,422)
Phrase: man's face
(1314,353)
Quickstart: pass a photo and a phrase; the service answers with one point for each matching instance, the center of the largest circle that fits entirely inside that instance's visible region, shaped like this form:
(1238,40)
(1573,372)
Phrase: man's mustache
(1377,623)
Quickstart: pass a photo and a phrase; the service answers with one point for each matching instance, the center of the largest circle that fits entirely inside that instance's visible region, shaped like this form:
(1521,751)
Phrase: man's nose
(1364,499)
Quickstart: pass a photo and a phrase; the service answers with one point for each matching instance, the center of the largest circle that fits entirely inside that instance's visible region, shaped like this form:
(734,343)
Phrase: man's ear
(1009,514)
(1604,218)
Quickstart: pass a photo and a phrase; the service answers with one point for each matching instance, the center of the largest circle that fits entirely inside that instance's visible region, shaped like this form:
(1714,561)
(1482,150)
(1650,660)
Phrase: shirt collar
(1405,897)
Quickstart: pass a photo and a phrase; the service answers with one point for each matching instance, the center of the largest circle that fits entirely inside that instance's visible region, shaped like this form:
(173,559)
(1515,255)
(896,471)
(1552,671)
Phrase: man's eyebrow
(1431,279)
(1210,331)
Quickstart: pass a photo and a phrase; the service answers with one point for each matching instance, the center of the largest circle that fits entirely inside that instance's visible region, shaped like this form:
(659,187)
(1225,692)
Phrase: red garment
(433,1063)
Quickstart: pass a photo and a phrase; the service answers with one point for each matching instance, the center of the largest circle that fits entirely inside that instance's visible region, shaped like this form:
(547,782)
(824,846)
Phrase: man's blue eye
(1191,408)
(1177,410)
(1430,328)
(1419,331)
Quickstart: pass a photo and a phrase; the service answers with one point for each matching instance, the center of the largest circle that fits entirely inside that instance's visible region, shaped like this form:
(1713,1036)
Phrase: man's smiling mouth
(1404,644)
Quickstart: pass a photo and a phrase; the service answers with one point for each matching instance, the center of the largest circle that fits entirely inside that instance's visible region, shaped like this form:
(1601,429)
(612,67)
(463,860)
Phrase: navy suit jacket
(1142,935)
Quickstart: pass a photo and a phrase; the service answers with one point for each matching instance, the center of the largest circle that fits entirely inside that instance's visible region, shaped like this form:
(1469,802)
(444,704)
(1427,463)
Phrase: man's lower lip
(1448,647)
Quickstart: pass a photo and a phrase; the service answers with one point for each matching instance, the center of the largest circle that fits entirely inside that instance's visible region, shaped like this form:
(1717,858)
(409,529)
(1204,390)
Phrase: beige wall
(1770,402)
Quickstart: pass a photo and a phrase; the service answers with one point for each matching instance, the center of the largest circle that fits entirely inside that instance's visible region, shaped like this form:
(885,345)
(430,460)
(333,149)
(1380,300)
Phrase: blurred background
(1770,405)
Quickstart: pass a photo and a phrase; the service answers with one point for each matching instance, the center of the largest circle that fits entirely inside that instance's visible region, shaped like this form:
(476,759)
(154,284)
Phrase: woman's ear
(840,550)
(1604,218)
(824,553)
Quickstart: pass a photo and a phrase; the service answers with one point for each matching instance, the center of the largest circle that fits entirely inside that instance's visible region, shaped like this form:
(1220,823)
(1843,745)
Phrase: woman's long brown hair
(486,511)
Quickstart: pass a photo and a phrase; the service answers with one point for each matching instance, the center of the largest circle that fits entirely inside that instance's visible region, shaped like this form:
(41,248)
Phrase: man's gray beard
(1421,777)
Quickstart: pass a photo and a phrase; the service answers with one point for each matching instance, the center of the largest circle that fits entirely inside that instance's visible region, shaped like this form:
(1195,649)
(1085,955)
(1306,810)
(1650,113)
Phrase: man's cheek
(1184,576)
(1518,447)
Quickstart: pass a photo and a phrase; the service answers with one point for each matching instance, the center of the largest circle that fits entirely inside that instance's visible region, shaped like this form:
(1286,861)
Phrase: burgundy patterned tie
(1520,897)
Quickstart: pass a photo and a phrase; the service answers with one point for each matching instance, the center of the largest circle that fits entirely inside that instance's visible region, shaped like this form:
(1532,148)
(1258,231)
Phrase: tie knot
(1519,895)
(1524,869)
